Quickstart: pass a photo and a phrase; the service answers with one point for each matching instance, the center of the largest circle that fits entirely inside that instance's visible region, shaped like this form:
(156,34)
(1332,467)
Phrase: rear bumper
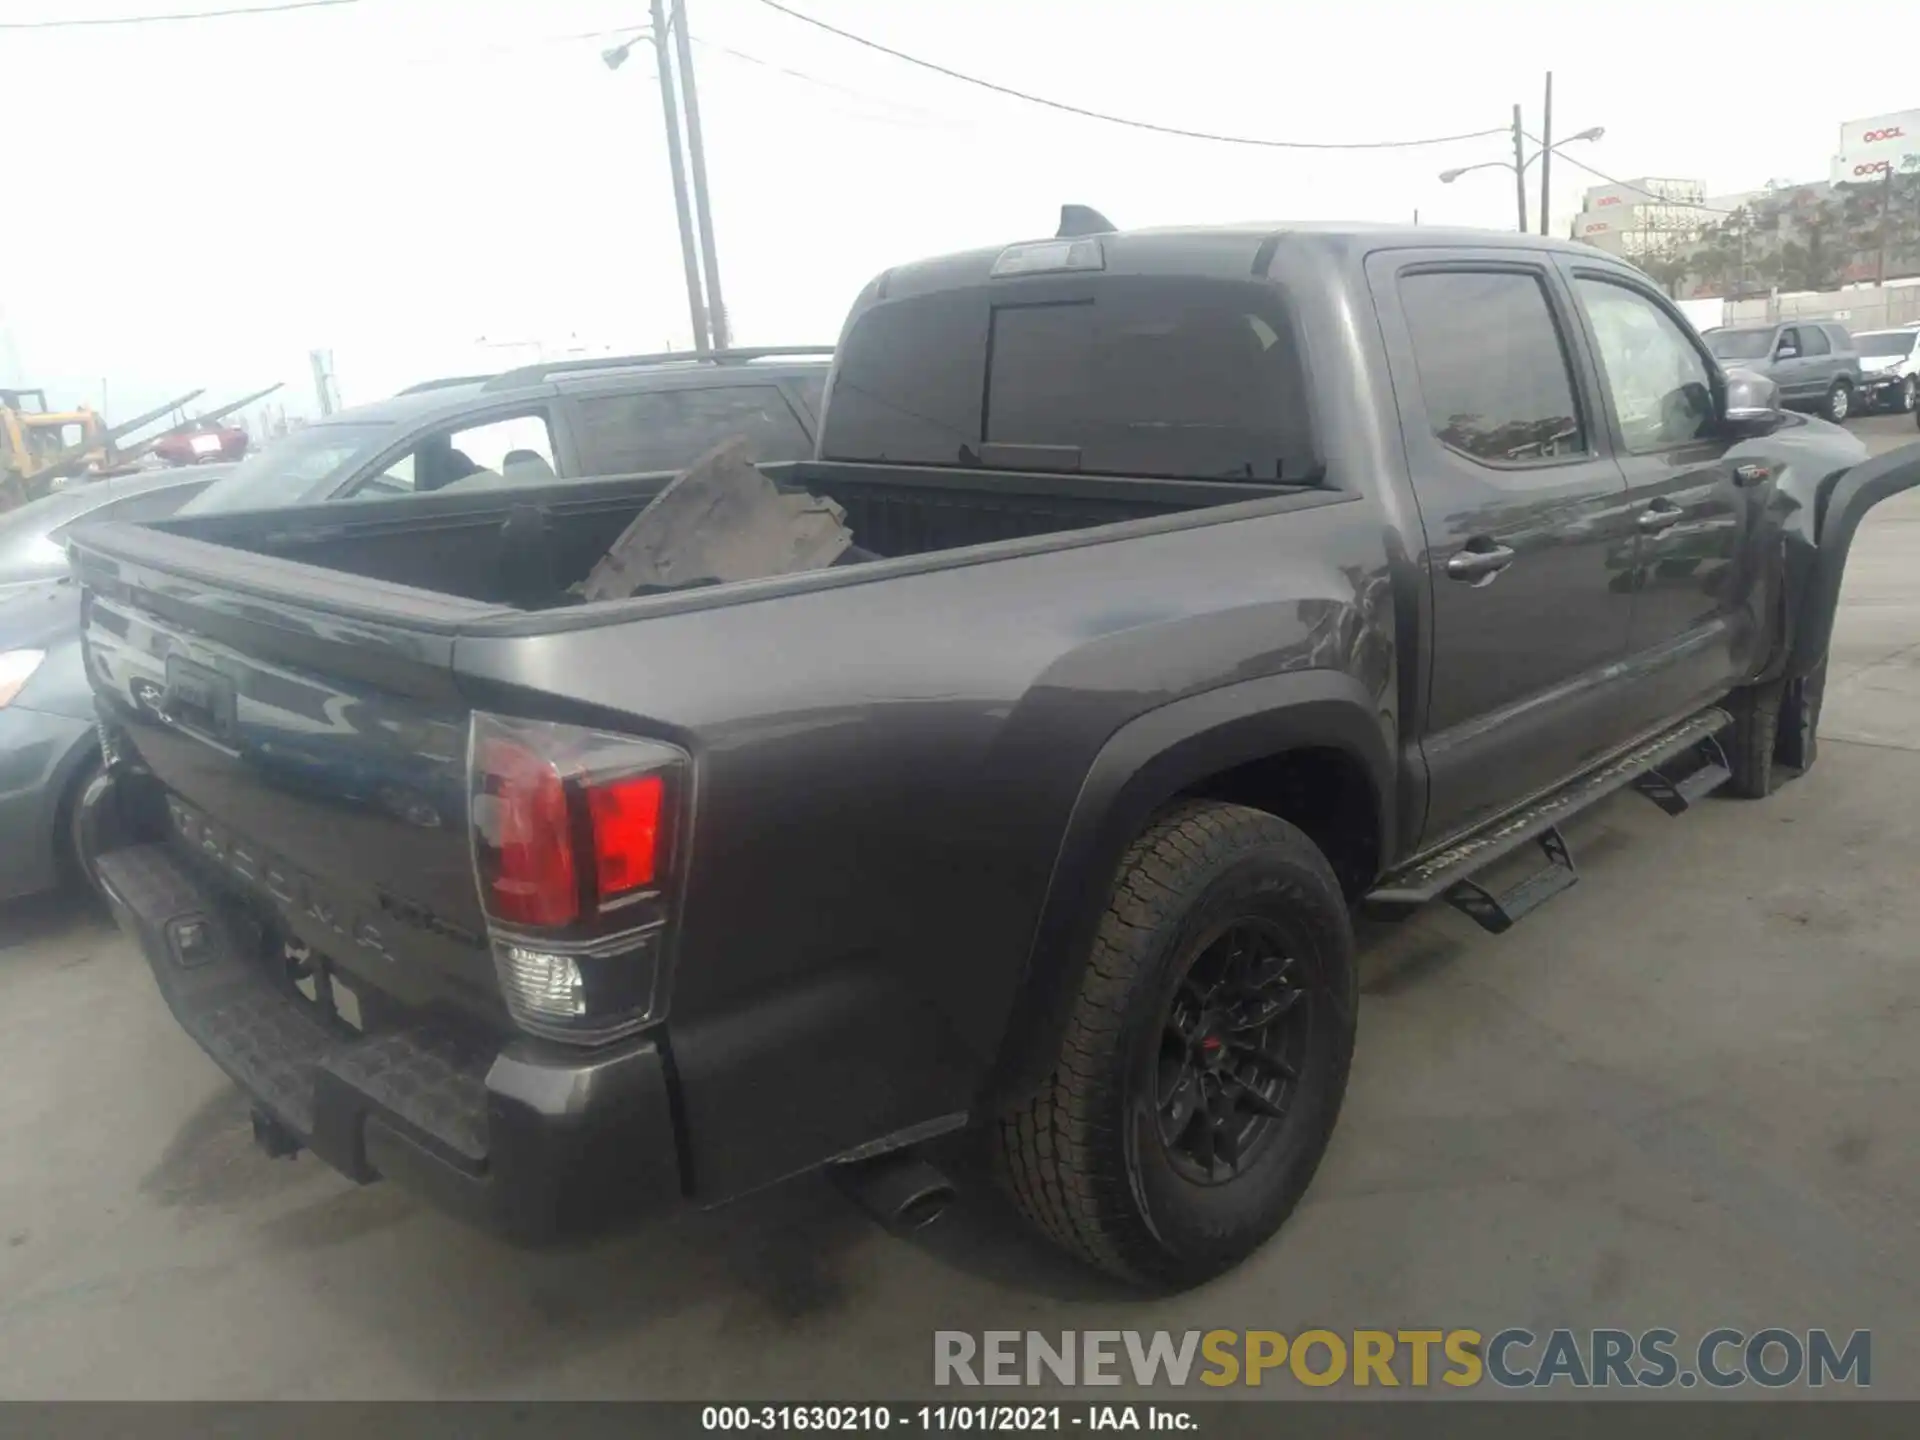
(535,1144)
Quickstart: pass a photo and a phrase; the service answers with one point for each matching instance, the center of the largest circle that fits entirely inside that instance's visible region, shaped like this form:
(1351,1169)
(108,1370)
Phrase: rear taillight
(626,832)
(530,879)
(575,834)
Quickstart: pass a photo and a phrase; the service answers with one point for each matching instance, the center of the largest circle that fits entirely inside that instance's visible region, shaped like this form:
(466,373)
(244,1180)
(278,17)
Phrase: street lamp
(1520,166)
(613,59)
(710,329)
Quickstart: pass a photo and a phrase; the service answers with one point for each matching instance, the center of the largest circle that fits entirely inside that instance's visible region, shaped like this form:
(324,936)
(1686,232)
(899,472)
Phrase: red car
(214,444)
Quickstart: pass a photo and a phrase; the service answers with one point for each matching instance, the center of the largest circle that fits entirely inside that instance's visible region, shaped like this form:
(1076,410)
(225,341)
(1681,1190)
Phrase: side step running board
(1677,795)
(1496,913)
(1448,873)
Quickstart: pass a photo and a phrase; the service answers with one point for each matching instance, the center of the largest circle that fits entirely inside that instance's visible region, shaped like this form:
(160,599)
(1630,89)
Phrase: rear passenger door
(1528,543)
(638,432)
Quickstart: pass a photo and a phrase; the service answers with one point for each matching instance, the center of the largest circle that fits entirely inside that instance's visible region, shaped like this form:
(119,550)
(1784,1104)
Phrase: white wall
(1703,315)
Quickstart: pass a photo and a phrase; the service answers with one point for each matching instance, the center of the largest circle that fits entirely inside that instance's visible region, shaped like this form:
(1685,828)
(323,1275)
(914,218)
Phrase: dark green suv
(607,416)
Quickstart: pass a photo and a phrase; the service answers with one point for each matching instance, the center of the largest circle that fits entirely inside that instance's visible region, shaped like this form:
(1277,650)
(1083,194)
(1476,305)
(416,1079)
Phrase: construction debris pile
(721,520)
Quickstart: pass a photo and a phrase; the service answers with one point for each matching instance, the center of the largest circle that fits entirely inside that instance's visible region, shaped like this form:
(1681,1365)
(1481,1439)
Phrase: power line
(179,15)
(1629,185)
(823,84)
(1122,119)
(634,33)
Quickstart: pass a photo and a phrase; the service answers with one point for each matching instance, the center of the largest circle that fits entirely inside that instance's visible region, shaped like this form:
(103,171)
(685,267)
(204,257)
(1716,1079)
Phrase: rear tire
(1753,739)
(1839,402)
(71,836)
(1100,1159)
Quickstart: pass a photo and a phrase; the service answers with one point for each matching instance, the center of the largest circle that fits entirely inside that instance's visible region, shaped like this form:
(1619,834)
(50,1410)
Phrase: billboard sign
(1877,135)
(1877,145)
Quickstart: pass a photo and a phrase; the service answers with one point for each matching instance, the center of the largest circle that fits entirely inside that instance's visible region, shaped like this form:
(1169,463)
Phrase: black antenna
(1082,220)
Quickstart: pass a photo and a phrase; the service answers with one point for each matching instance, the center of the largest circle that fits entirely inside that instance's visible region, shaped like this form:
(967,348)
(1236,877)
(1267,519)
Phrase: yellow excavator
(41,447)
(33,437)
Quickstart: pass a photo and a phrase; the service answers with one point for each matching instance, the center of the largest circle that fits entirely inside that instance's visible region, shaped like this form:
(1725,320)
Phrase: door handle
(1659,516)
(1479,564)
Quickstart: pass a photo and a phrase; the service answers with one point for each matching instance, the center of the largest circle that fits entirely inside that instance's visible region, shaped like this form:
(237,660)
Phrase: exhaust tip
(275,1139)
(899,1189)
(922,1208)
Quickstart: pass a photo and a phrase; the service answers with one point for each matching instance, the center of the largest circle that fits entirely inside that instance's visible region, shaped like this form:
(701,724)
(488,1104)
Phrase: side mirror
(1751,404)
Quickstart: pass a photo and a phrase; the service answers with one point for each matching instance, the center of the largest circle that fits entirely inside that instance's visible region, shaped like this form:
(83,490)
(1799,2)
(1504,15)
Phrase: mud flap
(1797,745)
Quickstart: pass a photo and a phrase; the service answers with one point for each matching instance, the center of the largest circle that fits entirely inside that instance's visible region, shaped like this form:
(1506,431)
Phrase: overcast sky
(395,179)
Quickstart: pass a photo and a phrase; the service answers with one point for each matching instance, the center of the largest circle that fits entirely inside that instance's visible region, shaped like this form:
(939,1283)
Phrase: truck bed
(338,755)
(523,548)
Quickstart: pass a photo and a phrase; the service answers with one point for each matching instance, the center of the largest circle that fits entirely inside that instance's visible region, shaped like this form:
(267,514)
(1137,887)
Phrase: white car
(1889,368)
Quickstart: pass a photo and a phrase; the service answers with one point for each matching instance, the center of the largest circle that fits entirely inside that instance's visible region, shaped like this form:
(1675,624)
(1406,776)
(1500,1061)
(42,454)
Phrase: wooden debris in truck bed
(720,520)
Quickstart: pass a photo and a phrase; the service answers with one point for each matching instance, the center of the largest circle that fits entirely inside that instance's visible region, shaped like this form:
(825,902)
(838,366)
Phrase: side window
(1493,370)
(517,450)
(1170,379)
(656,430)
(1660,385)
(1814,341)
(1788,339)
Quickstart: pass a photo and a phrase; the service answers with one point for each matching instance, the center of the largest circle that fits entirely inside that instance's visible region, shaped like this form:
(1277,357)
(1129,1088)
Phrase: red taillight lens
(626,832)
(577,836)
(530,837)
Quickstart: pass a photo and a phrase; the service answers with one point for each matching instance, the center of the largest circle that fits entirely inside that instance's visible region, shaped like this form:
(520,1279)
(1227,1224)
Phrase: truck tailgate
(312,745)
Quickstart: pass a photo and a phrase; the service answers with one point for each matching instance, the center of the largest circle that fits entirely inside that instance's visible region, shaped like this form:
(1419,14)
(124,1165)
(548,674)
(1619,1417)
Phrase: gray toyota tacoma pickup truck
(1215,583)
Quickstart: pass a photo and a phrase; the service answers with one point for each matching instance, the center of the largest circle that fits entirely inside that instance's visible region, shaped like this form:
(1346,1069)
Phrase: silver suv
(1812,361)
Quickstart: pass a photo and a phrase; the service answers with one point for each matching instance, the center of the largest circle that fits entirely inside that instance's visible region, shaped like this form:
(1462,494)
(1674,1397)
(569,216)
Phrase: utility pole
(1546,153)
(663,57)
(1886,219)
(1519,172)
(696,154)
(323,382)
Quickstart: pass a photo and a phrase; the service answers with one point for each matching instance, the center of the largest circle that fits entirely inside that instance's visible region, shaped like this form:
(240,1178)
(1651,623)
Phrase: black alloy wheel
(1234,1038)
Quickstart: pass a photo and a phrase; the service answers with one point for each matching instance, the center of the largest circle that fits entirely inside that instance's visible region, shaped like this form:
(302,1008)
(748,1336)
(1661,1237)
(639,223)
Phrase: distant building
(1642,219)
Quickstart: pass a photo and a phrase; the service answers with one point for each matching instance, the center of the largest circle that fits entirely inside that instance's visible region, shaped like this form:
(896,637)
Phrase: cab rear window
(1150,377)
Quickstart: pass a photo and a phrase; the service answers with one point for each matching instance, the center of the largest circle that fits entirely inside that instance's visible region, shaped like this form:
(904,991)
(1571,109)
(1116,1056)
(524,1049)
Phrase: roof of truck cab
(1216,250)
